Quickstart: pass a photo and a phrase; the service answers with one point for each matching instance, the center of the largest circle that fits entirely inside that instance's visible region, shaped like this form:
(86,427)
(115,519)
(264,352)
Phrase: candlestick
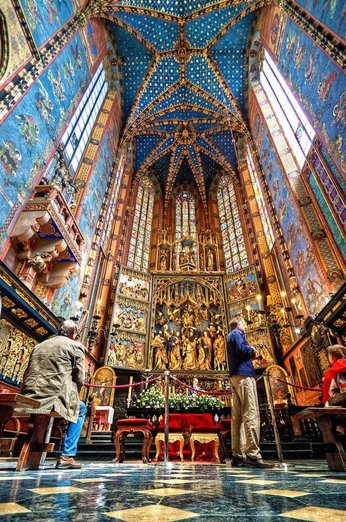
(129,395)
(248,308)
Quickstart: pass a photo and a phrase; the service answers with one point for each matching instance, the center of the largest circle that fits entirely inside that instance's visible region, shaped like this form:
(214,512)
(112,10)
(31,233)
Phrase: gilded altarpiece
(15,350)
(130,320)
(188,324)
(245,300)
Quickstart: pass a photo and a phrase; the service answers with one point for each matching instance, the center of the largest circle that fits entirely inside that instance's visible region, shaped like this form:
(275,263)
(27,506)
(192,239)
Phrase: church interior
(166,167)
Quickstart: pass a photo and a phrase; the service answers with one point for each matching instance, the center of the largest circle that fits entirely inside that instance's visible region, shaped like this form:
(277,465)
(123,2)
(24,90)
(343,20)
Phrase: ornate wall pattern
(332,14)
(15,350)
(37,122)
(311,280)
(45,17)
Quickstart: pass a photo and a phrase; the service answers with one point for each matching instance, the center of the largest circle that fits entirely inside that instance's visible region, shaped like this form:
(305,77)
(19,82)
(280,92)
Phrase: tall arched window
(138,257)
(77,134)
(231,230)
(267,226)
(185,216)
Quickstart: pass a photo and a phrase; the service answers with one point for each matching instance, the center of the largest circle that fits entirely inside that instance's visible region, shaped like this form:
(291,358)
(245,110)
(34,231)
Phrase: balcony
(47,239)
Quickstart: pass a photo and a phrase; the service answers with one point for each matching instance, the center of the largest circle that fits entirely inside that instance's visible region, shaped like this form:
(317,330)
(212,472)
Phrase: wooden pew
(325,418)
(339,399)
(37,443)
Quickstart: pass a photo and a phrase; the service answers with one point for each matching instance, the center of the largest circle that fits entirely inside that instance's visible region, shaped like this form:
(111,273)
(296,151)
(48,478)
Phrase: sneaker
(67,463)
(257,463)
(237,462)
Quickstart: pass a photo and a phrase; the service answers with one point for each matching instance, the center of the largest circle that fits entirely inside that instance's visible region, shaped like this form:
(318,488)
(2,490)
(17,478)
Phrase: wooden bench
(339,399)
(37,443)
(325,418)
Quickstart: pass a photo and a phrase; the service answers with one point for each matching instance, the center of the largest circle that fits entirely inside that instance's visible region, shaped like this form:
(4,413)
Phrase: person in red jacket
(334,380)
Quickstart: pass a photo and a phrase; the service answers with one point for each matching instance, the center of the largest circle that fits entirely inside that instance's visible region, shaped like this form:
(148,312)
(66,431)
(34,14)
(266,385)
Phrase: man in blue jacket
(245,424)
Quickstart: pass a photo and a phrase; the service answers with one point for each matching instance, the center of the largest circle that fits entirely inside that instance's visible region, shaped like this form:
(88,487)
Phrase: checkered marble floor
(134,492)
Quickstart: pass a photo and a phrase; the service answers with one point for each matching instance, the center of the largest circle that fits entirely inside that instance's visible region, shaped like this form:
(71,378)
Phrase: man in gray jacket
(55,376)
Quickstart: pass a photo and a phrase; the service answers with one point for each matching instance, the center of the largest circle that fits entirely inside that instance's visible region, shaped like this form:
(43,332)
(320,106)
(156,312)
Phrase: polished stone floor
(134,492)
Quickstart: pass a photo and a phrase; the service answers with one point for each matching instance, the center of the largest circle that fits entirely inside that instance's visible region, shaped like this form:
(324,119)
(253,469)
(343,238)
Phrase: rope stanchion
(295,385)
(118,386)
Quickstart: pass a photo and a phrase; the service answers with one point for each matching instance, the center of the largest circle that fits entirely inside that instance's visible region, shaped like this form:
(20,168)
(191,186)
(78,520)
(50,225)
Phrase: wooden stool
(205,438)
(172,437)
(127,426)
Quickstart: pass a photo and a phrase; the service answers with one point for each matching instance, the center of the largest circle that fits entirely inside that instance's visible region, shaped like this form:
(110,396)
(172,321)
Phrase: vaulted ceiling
(185,82)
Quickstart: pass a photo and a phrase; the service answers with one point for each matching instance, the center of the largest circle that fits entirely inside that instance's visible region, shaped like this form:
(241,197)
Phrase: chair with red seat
(204,431)
(127,426)
(175,429)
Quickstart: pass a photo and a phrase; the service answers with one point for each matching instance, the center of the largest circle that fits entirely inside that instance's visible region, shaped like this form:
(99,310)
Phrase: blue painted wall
(28,135)
(65,298)
(311,279)
(319,86)
(45,17)
(331,12)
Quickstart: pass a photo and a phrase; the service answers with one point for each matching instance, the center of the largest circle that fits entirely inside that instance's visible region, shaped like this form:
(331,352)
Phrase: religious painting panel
(45,17)
(126,348)
(242,284)
(188,324)
(102,394)
(319,85)
(15,349)
(279,386)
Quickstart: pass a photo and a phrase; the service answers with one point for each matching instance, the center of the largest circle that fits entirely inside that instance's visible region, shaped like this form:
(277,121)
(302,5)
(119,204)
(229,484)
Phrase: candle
(259,299)
(294,302)
(283,313)
(129,395)
(283,295)
(248,308)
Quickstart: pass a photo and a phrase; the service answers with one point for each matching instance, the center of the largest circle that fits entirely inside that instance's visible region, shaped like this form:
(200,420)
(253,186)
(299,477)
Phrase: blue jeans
(69,446)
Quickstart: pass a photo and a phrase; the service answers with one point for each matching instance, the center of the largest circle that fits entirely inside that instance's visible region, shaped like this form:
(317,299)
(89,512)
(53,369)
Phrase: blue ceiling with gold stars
(184,75)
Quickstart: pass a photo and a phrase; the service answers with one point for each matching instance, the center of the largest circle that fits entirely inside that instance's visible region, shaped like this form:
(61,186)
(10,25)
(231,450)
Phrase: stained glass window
(138,257)
(77,134)
(231,229)
(268,230)
(295,125)
(185,216)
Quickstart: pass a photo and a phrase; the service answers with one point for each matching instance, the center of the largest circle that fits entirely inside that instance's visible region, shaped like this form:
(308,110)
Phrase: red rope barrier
(202,392)
(295,385)
(89,385)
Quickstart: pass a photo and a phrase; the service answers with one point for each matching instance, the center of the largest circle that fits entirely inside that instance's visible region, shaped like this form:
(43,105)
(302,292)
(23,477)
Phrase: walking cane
(272,414)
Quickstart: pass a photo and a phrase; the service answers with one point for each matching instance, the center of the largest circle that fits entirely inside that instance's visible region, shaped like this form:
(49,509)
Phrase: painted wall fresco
(311,279)
(36,122)
(320,86)
(331,12)
(45,17)
(19,50)
(65,298)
